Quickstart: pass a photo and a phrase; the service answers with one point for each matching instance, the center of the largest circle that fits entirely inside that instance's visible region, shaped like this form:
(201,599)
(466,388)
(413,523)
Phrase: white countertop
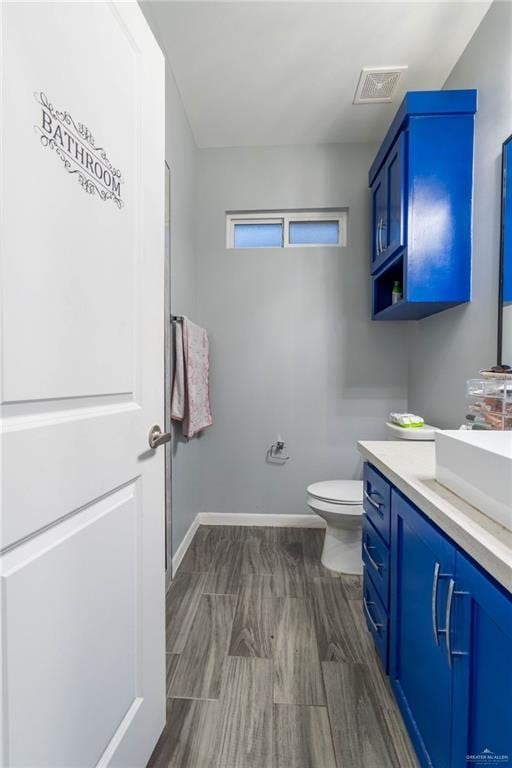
(410,466)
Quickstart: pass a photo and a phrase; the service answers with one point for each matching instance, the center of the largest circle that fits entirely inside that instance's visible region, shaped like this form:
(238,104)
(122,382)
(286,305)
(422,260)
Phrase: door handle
(157,437)
(435,584)
(449,602)
(451,587)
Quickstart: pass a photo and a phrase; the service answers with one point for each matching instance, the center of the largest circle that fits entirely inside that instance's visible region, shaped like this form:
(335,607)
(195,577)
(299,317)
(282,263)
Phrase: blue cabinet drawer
(376,618)
(377,501)
(376,560)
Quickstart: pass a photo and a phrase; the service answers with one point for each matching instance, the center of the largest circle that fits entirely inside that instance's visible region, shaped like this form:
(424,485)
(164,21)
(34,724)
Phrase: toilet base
(342,550)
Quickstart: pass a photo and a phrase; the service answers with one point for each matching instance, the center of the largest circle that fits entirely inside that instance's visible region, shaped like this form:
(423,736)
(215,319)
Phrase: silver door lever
(157,437)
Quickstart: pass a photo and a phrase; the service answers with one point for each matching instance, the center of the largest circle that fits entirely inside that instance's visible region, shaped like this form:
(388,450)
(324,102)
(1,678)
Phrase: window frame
(340,215)
(249,218)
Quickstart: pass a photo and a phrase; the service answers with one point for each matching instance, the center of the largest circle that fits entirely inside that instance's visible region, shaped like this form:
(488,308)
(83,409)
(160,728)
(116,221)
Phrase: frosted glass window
(287,229)
(314,233)
(258,235)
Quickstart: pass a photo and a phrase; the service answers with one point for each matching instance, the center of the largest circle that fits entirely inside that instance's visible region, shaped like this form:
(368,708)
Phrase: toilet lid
(338,491)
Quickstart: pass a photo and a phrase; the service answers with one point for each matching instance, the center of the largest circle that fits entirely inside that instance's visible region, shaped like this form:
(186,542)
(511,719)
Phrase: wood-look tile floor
(269,662)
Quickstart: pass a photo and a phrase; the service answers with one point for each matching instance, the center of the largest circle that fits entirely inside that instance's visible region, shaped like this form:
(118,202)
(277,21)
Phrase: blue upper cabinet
(422,191)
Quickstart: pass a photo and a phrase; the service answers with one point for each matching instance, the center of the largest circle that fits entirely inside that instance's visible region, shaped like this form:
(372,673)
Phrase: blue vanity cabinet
(480,622)
(375,551)
(443,628)
(422,193)
(422,563)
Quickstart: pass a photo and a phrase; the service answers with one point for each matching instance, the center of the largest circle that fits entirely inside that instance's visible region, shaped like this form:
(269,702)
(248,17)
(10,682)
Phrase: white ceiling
(265,73)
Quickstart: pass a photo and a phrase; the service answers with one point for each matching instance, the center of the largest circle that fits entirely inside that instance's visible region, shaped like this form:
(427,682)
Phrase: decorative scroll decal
(76,147)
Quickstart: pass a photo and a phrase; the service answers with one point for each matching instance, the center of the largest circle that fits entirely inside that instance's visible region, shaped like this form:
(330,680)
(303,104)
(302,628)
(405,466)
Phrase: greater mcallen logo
(487,757)
(75,145)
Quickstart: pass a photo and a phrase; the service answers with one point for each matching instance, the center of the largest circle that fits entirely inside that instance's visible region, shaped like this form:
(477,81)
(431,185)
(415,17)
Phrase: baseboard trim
(185,544)
(275,521)
(228,518)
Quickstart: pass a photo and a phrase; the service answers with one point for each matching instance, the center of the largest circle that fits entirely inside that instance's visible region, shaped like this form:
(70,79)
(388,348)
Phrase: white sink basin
(477,466)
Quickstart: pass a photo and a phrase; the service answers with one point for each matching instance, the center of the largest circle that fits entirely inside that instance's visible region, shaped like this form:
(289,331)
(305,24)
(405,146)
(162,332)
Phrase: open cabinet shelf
(408,308)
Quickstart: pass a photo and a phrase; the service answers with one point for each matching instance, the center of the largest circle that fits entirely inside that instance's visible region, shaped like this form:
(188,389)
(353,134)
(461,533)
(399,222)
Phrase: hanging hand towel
(191,399)
(178,386)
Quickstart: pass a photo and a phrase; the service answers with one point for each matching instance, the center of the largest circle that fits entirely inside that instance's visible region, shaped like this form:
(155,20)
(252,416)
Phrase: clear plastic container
(489,404)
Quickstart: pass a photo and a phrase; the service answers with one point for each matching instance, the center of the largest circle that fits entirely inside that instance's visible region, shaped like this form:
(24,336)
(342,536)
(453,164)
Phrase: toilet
(340,503)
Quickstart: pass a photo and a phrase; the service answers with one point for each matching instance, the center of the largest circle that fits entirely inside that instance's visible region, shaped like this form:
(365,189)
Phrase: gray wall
(293,350)
(449,348)
(181,155)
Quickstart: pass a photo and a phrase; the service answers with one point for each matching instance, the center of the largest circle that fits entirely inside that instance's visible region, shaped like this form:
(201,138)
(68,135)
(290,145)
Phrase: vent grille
(377,84)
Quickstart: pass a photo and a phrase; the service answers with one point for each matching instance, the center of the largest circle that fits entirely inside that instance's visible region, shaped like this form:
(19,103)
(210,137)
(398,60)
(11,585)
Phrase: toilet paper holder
(275,453)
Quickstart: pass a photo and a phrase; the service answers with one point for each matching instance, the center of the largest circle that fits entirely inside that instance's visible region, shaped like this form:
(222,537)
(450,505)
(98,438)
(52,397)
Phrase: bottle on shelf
(396,293)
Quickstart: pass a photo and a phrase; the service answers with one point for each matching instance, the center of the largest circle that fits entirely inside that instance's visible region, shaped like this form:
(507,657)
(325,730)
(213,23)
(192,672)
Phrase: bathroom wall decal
(75,145)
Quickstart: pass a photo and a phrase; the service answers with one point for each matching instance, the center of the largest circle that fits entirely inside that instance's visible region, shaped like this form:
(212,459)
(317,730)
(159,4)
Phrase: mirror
(505,311)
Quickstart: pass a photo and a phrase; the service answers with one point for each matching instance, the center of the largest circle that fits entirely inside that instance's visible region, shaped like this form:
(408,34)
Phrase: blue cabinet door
(388,192)
(481,643)
(422,567)
(393,236)
(379,217)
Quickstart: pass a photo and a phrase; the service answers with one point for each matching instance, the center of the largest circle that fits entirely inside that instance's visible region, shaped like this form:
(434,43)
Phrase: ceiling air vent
(377,84)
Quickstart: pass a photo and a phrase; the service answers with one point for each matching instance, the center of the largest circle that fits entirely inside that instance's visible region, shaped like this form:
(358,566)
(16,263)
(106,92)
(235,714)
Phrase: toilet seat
(346,493)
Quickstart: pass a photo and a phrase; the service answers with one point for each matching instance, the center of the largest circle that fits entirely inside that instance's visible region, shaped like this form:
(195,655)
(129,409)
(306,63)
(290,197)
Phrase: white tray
(427,432)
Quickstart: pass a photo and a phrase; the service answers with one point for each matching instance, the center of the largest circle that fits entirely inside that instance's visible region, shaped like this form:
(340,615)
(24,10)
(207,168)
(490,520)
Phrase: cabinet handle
(379,239)
(377,505)
(377,627)
(449,602)
(375,564)
(435,584)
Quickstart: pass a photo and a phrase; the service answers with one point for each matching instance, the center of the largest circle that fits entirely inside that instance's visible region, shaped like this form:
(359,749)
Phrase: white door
(81,339)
